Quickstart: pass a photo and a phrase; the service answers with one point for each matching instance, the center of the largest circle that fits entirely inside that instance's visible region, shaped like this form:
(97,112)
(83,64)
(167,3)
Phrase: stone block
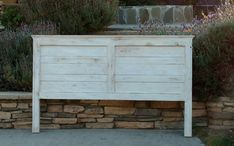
(214,109)
(131,16)
(87,120)
(94,110)
(199,105)
(22,106)
(22,125)
(199,113)
(165,105)
(5,115)
(6,125)
(174,119)
(55,108)
(144,15)
(73,109)
(74,126)
(99,125)
(89,102)
(9,105)
(215,104)
(65,120)
(50,126)
(156,13)
(215,122)
(49,115)
(89,116)
(169,16)
(119,111)
(223,115)
(134,125)
(66,115)
(21,115)
(172,114)
(105,120)
(229,104)
(229,109)
(228,123)
(147,112)
(169,125)
(116,103)
(142,104)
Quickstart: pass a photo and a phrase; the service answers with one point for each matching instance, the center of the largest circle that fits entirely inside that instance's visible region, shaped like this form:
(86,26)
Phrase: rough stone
(229,104)
(75,126)
(169,125)
(142,104)
(223,115)
(179,15)
(50,126)
(88,120)
(148,119)
(114,103)
(199,113)
(144,15)
(134,125)
(164,105)
(119,111)
(168,17)
(147,112)
(5,125)
(172,114)
(9,105)
(5,115)
(89,116)
(99,125)
(66,115)
(22,106)
(73,109)
(215,122)
(215,104)
(65,120)
(49,115)
(199,105)
(21,115)
(94,110)
(105,120)
(188,14)
(214,109)
(228,123)
(131,16)
(55,108)
(156,13)
(229,109)
(22,125)
(166,119)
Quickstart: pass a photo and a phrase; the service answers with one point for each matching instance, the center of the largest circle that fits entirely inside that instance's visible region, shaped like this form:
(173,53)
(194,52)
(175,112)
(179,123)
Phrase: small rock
(73,109)
(100,125)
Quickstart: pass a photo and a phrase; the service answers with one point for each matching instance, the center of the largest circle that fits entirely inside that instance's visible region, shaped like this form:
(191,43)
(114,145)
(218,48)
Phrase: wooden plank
(172,88)
(149,51)
(73,86)
(73,51)
(74,69)
(74,78)
(36,88)
(73,60)
(188,91)
(149,79)
(151,60)
(112,96)
(149,69)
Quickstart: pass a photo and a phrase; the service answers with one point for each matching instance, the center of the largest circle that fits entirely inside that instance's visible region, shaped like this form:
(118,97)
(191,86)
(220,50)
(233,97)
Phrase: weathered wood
(138,68)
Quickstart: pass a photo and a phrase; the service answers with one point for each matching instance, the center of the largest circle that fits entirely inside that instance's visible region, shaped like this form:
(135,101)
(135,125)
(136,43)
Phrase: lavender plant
(16,55)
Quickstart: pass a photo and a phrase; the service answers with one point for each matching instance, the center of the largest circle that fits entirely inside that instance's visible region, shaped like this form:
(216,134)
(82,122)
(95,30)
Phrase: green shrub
(11,17)
(214,61)
(73,16)
(16,56)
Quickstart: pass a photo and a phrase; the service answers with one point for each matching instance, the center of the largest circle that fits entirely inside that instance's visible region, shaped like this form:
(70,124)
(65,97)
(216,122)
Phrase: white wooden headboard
(136,67)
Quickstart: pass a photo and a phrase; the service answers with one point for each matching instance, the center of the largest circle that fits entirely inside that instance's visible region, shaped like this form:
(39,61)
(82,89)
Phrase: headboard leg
(36,115)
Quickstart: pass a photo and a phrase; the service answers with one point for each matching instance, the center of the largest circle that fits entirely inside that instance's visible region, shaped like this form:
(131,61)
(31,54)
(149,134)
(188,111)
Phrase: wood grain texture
(144,68)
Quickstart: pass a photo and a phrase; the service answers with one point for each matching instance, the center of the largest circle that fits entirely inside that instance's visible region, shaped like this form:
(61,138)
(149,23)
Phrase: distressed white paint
(132,67)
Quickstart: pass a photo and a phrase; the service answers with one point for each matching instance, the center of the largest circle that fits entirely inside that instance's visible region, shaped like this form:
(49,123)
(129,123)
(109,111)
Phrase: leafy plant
(11,17)
(73,16)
